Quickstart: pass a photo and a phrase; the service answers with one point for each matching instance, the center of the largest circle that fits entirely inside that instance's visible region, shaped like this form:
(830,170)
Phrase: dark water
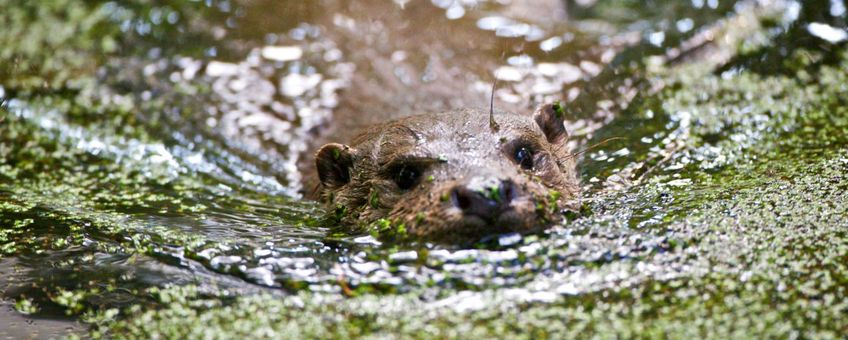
(151,155)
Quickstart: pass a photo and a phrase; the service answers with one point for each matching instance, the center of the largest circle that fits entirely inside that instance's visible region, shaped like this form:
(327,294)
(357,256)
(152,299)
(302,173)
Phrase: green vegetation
(733,222)
(755,245)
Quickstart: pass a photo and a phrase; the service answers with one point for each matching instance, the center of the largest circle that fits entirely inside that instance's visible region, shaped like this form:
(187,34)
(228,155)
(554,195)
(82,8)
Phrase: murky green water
(149,157)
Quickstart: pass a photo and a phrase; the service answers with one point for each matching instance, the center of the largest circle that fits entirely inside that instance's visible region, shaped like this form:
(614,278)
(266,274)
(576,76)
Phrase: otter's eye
(406,177)
(524,157)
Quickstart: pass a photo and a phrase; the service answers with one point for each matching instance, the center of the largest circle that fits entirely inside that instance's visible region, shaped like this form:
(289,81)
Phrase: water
(150,176)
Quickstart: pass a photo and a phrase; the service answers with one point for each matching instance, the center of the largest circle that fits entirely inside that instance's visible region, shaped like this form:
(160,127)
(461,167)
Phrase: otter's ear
(334,162)
(550,118)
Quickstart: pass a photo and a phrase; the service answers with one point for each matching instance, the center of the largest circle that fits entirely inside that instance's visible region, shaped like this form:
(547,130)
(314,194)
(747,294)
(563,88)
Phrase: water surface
(150,181)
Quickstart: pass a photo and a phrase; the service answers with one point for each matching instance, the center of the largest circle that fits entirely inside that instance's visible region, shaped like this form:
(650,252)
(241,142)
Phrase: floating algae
(724,217)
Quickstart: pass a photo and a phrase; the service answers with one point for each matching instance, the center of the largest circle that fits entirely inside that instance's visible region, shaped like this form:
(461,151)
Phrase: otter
(453,175)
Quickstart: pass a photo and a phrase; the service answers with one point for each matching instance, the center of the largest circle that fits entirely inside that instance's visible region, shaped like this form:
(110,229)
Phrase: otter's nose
(486,201)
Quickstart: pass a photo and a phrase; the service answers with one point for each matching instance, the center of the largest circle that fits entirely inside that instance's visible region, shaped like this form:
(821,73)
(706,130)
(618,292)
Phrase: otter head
(448,176)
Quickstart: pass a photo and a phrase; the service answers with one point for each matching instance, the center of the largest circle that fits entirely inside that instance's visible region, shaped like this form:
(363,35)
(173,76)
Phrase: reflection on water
(228,99)
(284,68)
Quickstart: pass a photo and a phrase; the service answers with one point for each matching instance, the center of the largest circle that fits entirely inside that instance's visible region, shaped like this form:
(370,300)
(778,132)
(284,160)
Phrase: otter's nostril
(461,198)
(507,191)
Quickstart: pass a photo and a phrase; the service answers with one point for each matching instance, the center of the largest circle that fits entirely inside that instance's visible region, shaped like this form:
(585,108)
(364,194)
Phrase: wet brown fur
(451,148)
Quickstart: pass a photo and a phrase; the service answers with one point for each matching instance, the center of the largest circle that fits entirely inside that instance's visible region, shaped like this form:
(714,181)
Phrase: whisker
(605,141)
(492,123)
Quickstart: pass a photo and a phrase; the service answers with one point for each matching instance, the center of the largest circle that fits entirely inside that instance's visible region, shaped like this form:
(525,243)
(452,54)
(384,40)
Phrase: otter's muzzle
(486,198)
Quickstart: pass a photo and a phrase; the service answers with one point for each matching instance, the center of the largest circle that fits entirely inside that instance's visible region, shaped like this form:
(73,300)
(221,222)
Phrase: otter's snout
(483,198)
